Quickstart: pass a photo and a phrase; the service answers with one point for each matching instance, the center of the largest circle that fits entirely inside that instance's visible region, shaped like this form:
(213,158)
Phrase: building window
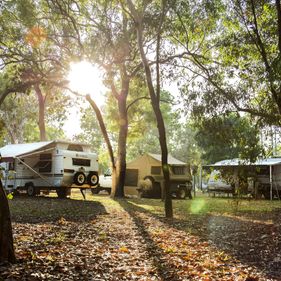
(156,170)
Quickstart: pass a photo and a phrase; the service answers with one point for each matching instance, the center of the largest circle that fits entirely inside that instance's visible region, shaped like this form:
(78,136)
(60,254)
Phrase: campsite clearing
(105,239)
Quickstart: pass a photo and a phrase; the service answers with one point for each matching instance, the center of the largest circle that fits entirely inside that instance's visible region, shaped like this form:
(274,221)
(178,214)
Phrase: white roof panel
(171,159)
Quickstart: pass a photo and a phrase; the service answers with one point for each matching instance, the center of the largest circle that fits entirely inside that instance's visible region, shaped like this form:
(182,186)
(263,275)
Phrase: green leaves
(227,137)
(26,12)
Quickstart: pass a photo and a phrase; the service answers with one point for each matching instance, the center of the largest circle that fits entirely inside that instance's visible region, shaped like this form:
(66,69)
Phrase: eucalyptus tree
(27,62)
(16,112)
(232,56)
(227,137)
(31,60)
(149,19)
(103,35)
(7,253)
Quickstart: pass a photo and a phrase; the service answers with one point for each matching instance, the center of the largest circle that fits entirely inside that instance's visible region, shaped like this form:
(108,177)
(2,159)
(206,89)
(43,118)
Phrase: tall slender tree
(154,91)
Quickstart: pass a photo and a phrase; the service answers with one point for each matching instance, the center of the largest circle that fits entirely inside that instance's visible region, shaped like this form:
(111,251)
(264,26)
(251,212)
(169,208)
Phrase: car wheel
(79,178)
(93,179)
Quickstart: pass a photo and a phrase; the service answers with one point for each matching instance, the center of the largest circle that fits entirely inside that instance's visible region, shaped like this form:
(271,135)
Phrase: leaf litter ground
(102,239)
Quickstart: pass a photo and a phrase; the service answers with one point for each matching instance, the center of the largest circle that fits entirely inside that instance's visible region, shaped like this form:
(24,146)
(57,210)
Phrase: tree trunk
(122,141)
(156,108)
(7,253)
(118,166)
(107,141)
(41,117)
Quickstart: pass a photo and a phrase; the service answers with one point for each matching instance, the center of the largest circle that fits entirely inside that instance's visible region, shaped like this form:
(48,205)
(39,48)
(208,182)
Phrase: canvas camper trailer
(50,165)
(148,167)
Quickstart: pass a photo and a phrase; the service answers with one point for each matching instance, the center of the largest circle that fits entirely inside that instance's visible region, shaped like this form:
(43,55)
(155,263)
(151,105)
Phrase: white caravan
(50,165)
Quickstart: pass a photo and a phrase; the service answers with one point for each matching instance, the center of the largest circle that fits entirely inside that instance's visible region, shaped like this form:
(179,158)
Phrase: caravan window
(75,147)
(45,163)
(81,162)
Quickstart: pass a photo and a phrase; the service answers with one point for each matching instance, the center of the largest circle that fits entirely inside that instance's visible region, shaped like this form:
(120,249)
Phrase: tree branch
(102,128)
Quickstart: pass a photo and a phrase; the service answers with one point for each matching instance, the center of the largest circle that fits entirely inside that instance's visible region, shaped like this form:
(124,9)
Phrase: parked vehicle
(105,183)
(217,184)
(45,166)
(144,177)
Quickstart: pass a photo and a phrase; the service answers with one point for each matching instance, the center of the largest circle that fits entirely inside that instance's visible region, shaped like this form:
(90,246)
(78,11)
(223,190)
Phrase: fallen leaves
(124,244)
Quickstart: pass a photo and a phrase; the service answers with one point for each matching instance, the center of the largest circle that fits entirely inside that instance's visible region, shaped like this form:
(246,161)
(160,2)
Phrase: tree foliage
(236,66)
(227,137)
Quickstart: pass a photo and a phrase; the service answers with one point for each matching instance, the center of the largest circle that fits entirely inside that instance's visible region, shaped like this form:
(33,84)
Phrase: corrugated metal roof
(171,159)
(269,162)
(240,162)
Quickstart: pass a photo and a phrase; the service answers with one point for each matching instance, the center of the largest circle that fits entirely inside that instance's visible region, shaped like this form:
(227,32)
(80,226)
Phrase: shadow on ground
(46,209)
(164,269)
(256,243)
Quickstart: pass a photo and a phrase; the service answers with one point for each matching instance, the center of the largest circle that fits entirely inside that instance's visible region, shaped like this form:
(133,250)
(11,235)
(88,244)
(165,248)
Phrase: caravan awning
(10,151)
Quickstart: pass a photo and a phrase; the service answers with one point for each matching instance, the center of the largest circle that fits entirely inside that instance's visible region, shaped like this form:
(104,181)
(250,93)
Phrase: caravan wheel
(93,179)
(31,190)
(79,178)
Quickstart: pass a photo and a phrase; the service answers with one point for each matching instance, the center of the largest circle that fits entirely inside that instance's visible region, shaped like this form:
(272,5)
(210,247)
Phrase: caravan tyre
(30,189)
(79,178)
(93,179)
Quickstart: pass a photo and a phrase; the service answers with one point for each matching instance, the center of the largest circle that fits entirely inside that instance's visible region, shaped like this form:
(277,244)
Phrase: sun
(86,79)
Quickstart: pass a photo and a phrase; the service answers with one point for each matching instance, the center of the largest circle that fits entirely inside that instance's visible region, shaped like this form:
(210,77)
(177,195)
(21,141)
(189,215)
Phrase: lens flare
(35,36)
(197,206)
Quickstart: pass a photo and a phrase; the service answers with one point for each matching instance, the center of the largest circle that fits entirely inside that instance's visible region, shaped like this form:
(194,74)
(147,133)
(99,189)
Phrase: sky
(87,79)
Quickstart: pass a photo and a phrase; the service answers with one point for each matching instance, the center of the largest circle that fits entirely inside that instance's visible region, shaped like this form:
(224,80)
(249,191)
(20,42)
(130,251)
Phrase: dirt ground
(122,240)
